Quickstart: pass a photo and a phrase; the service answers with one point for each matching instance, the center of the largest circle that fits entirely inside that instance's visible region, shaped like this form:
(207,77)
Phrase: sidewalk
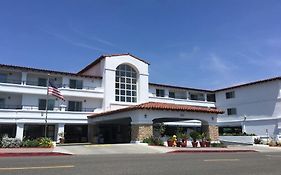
(104,149)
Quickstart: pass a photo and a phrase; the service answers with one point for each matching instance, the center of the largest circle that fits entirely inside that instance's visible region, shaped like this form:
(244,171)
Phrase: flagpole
(47,99)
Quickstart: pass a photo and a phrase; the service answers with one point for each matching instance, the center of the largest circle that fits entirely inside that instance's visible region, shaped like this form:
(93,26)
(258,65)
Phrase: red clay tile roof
(161,106)
(104,56)
(46,71)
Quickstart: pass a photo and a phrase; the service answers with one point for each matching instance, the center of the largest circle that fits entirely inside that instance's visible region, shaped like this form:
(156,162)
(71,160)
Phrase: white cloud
(72,42)
(189,55)
(215,64)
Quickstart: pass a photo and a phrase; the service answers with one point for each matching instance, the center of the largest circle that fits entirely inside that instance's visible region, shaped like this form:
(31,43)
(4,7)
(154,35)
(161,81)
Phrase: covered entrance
(140,119)
(115,131)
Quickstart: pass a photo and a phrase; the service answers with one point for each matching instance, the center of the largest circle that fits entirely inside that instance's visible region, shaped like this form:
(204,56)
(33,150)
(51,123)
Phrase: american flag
(53,90)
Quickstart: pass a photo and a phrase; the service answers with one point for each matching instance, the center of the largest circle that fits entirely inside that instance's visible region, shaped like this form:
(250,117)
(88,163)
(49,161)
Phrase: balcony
(39,88)
(181,100)
(41,109)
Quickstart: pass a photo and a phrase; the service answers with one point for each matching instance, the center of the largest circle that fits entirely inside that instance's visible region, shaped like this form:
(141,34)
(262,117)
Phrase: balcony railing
(55,108)
(36,83)
(182,98)
(83,87)
(10,106)
(12,81)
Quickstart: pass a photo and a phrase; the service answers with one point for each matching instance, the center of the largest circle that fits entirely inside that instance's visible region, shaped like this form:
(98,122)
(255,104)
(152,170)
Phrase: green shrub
(30,143)
(45,142)
(217,145)
(194,135)
(153,141)
(257,141)
(8,142)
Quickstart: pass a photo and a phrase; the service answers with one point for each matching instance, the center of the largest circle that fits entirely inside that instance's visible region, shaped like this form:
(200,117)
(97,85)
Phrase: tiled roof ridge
(47,70)
(161,106)
(108,55)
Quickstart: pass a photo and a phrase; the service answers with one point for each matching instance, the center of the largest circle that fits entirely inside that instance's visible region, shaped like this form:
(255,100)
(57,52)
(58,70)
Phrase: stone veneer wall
(212,131)
(141,131)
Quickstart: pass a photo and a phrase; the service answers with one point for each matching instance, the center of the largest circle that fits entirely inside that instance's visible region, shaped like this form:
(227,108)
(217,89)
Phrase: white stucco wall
(259,103)
(110,65)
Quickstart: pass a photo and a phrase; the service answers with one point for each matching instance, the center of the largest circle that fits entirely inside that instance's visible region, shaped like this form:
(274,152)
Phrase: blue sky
(193,43)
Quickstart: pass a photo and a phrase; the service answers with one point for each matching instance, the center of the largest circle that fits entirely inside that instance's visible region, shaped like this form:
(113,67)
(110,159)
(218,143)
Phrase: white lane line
(34,167)
(221,160)
(273,155)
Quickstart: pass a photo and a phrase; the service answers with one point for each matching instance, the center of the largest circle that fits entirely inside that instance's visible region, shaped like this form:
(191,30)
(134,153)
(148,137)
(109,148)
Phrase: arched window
(125,84)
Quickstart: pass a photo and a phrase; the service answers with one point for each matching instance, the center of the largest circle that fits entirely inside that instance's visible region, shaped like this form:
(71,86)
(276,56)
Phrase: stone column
(93,133)
(140,132)
(19,132)
(212,131)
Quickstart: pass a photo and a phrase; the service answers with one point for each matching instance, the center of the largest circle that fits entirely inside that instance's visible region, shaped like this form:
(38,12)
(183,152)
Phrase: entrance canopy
(192,123)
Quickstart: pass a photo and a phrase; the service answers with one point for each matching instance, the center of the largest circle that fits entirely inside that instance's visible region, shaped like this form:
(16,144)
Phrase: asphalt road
(164,164)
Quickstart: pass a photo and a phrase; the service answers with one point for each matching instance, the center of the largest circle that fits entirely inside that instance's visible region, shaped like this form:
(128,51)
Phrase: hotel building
(112,101)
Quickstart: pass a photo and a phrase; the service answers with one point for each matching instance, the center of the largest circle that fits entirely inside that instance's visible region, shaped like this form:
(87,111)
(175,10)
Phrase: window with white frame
(230,94)
(125,84)
(3,78)
(2,103)
(231,111)
(172,94)
(74,105)
(42,104)
(160,93)
(75,84)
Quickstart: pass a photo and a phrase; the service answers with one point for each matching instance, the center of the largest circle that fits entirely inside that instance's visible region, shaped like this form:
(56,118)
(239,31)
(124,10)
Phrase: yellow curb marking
(221,160)
(39,167)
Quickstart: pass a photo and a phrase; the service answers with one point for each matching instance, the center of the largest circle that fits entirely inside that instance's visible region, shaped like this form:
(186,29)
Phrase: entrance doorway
(76,133)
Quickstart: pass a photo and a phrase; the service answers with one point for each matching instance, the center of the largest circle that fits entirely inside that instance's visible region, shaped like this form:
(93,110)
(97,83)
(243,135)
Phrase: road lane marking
(273,155)
(221,160)
(34,167)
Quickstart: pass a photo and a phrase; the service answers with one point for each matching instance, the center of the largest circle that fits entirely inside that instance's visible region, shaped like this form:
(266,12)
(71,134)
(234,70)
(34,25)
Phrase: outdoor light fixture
(145,116)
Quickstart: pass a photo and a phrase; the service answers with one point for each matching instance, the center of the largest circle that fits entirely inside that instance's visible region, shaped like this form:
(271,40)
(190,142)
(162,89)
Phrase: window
(3,78)
(160,92)
(197,96)
(172,94)
(125,84)
(75,84)
(230,95)
(42,104)
(75,106)
(2,103)
(42,82)
(231,111)
(211,97)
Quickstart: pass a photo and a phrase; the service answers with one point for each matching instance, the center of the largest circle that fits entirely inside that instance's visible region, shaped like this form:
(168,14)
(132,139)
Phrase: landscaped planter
(238,139)
(195,144)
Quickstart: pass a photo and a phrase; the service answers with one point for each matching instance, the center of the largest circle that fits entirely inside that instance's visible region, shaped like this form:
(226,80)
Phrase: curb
(211,151)
(33,154)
